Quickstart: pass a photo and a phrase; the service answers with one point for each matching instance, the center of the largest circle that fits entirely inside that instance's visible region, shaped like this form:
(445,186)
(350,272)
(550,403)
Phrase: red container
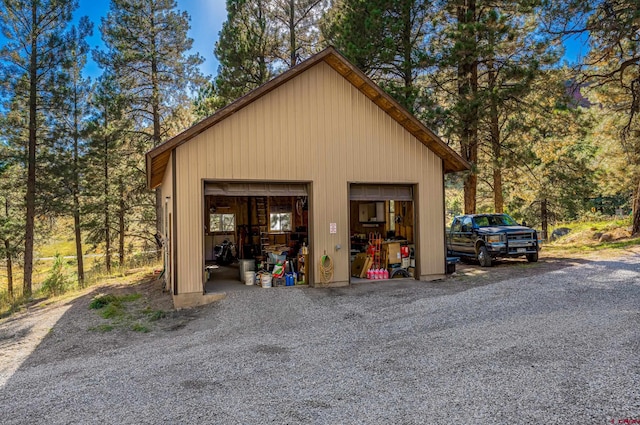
(404,250)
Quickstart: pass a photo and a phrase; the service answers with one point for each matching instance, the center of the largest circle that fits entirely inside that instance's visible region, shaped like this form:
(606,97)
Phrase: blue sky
(207,17)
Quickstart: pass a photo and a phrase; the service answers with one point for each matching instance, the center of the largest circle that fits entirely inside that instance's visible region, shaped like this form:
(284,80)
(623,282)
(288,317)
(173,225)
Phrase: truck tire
(532,258)
(483,257)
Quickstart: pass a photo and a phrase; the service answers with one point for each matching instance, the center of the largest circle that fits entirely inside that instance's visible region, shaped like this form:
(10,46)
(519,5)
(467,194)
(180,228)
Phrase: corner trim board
(175,223)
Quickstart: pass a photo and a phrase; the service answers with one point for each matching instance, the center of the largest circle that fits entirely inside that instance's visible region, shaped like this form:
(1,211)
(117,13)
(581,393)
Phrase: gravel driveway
(542,347)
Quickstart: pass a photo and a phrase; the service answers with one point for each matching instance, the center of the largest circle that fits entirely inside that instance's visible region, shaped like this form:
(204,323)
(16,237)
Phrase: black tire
(399,273)
(483,257)
(532,258)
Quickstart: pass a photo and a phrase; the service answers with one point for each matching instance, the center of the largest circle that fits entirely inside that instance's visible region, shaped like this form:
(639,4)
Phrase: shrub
(138,327)
(129,297)
(112,310)
(102,300)
(154,315)
(57,282)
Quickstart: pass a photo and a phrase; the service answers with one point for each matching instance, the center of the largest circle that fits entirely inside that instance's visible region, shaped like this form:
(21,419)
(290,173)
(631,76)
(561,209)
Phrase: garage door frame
(256,187)
(385,190)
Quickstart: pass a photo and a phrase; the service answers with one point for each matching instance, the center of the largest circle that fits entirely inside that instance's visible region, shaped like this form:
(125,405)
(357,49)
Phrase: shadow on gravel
(12,330)
(504,269)
(82,331)
(468,275)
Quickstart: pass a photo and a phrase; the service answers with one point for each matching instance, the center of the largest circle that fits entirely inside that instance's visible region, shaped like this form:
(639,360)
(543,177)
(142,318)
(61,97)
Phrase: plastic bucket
(245,266)
(249,278)
(265,280)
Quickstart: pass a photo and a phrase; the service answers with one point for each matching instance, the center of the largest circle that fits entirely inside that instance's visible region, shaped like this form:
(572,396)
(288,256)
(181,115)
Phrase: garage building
(319,157)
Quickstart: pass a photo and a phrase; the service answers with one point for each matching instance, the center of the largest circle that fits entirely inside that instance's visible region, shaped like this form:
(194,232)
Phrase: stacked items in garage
(391,260)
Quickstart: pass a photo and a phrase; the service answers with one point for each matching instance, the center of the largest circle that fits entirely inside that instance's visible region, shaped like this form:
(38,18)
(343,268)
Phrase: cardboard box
(391,252)
(366,268)
(359,265)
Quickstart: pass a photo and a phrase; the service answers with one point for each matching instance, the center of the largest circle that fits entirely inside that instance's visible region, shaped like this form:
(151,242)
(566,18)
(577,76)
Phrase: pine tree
(548,163)
(357,29)
(207,101)
(105,155)
(72,92)
(33,53)
(386,39)
(492,50)
(612,66)
(299,32)
(147,51)
(11,209)
(466,58)
(13,170)
(513,54)
(247,49)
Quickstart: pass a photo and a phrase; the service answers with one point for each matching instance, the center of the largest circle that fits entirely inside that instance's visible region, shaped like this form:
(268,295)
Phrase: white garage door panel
(255,189)
(381,192)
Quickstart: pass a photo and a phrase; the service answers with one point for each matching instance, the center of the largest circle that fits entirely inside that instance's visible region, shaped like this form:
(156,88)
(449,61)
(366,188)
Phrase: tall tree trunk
(263,71)
(76,226)
(7,247)
(9,259)
(107,220)
(470,188)
(292,33)
(155,109)
(107,239)
(76,191)
(496,148)
(407,67)
(121,214)
(544,213)
(31,167)
(156,132)
(467,91)
(498,197)
(635,229)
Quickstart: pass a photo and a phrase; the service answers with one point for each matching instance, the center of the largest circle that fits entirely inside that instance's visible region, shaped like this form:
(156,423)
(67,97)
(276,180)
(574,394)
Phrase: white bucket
(245,266)
(249,278)
(266,280)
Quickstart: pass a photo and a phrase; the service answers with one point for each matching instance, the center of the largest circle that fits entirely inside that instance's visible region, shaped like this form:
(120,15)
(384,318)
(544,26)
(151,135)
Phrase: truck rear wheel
(483,257)
(532,258)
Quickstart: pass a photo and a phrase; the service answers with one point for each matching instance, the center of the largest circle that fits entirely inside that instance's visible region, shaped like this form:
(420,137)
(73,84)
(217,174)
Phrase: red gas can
(404,249)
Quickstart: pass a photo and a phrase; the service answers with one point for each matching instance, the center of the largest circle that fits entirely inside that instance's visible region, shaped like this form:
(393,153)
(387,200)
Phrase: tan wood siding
(316,127)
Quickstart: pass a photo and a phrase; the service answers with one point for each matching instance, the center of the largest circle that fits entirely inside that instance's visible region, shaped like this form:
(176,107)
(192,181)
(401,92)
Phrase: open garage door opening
(382,230)
(254,230)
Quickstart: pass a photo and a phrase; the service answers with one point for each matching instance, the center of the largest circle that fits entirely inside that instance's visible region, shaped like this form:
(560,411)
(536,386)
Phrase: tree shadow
(71,329)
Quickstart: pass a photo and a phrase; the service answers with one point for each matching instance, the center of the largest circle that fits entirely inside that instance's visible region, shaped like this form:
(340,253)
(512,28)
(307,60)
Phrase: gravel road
(557,346)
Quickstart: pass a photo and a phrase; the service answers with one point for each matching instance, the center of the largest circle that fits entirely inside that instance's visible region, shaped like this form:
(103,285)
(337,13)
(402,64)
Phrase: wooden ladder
(263,222)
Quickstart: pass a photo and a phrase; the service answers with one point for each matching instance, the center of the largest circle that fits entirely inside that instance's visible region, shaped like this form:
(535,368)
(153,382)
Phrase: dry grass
(595,236)
(95,277)
(61,241)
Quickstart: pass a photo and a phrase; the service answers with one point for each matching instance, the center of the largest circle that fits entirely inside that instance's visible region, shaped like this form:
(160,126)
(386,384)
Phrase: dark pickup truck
(489,236)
